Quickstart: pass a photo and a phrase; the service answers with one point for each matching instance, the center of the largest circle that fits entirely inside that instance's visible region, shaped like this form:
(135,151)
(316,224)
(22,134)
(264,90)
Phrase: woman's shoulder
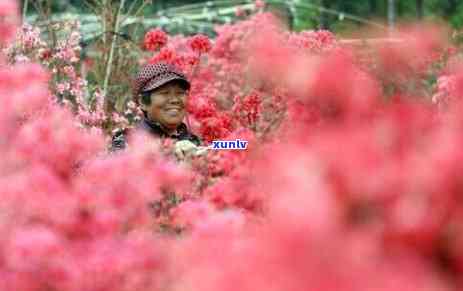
(185,134)
(119,139)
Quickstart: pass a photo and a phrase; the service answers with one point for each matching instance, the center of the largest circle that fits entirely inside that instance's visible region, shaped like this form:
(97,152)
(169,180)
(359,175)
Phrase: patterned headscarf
(153,76)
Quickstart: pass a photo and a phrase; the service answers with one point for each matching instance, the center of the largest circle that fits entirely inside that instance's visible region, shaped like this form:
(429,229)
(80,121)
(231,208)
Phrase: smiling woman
(161,90)
(166,104)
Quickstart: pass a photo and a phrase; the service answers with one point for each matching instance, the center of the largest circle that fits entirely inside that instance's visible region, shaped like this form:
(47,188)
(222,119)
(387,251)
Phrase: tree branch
(111,52)
(26,4)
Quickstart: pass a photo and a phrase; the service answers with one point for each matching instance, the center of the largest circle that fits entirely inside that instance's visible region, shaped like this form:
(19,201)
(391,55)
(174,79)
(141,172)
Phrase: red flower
(200,44)
(201,107)
(191,60)
(213,128)
(155,39)
(248,108)
(166,55)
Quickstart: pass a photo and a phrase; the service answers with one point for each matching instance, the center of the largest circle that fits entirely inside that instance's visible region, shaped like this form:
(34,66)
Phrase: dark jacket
(119,140)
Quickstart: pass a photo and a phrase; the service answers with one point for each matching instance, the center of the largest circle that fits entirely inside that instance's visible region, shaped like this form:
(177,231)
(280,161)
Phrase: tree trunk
(25,7)
(419,9)
(324,21)
(372,7)
(391,14)
(451,7)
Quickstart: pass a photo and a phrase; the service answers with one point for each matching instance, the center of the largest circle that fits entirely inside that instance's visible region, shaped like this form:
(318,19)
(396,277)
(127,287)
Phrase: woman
(161,91)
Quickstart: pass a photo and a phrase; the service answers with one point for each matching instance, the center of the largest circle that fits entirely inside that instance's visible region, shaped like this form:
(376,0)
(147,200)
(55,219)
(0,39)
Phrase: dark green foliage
(299,17)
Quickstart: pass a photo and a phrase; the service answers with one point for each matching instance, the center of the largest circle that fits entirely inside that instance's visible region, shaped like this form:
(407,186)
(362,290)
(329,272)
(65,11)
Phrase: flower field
(352,178)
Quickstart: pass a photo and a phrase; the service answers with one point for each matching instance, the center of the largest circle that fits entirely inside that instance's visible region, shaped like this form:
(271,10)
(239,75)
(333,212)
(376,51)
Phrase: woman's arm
(118,141)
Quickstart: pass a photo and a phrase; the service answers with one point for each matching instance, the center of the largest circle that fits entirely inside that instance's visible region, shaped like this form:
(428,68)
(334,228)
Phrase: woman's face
(168,105)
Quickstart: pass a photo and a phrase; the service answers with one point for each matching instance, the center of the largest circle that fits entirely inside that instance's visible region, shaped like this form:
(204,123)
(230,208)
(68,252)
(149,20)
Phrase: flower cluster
(61,226)
(342,182)
(9,20)
(446,89)
(155,39)
(200,44)
(69,88)
(247,109)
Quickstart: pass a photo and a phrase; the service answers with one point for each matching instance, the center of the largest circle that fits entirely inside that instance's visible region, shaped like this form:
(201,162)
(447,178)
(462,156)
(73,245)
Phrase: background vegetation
(112,30)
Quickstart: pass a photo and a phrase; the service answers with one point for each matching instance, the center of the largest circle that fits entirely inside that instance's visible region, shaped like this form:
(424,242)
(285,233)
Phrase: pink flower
(9,20)
(259,4)
(8,8)
(155,39)
(239,12)
(340,182)
(190,213)
(61,87)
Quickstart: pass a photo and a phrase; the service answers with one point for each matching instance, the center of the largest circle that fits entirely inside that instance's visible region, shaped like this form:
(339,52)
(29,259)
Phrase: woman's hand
(186,149)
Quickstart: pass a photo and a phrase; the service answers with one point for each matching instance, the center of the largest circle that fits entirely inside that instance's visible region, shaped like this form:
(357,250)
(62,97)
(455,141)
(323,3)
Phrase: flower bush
(68,84)
(343,182)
